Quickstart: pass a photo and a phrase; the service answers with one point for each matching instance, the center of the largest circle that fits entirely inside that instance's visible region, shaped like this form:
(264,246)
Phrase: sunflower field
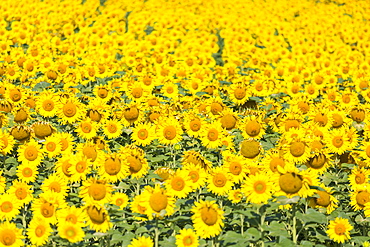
(184,123)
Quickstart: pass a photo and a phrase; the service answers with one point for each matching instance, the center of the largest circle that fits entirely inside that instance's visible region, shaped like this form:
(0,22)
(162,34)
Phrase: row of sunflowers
(184,123)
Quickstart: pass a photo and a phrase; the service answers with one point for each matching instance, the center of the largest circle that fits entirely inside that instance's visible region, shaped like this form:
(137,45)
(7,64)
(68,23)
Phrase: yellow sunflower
(113,168)
(337,141)
(239,93)
(52,146)
(97,218)
(250,149)
(38,231)
(219,181)
(141,242)
(193,124)
(196,174)
(359,198)
(212,135)
(235,196)
(6,142)
(112,128)
(27,173)
(187,238)
(46,205)
(67,142)
(73,215)
(22,191)
(70,110)
(10,235)
(72,232)
(95,191)
(80,167)
(158,202)
(258,188)
(228,119)
(56,184)
(169,131)
(338,230)
(235,165)
(30,153)
(9,207)
(87,129)
(207,219)
(136,161)
(359,178)
(143,134)
(179,184)
(253,127)
(120,199)
(46,104)
(324,199)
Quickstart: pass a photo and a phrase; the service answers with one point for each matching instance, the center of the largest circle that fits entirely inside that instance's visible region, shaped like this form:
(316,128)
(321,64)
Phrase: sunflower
(39,231)
(9,206)
(72,232)
(129,114)
(228,119)
(52,146)
(179,184)
(337,141)
(10,235)
(238,93)
(21,133)
(137,92)
(46,104)
(56,184)
(87,129)
(338,230)
(80,167)
(95,191)
(253,127)
(196,174)
(70,110)
(16,95)
(196,158)
(143,134)
(120,199)
(103,92)
(22,191)
(27,173)
(136,161)
(159,202)
(21,114)
(113,168)
(187,238)
(30,153)
(250,149)
(141,242)
(139,205)
(359,198)
(235,165)
(193,124)
(169,131)
(112,128)
(97,218)
(258,188)
(91,152)
(212,135)
(297,151)
(72,215)
(324,199)
(219,181)
(46,205)
(207,219)
(235,195)
(6,142)
(359,178)
(67,142)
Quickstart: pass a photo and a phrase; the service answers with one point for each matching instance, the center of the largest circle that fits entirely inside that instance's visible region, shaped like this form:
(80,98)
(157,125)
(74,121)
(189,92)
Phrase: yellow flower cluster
(246,100)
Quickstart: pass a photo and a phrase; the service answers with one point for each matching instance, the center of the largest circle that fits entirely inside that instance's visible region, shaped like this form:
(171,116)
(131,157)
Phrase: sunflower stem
(242,223)
(294,224)
(156,233)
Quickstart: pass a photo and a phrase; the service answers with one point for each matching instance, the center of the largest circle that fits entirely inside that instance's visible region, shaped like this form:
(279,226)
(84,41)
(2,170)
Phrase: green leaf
(285,242)
(116,238)
(307,244)
(11,160)
(141,229)
(169,242)
(126,240)
(253,234)
(277,229)
(282,200)
(312,216)
(232,237)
